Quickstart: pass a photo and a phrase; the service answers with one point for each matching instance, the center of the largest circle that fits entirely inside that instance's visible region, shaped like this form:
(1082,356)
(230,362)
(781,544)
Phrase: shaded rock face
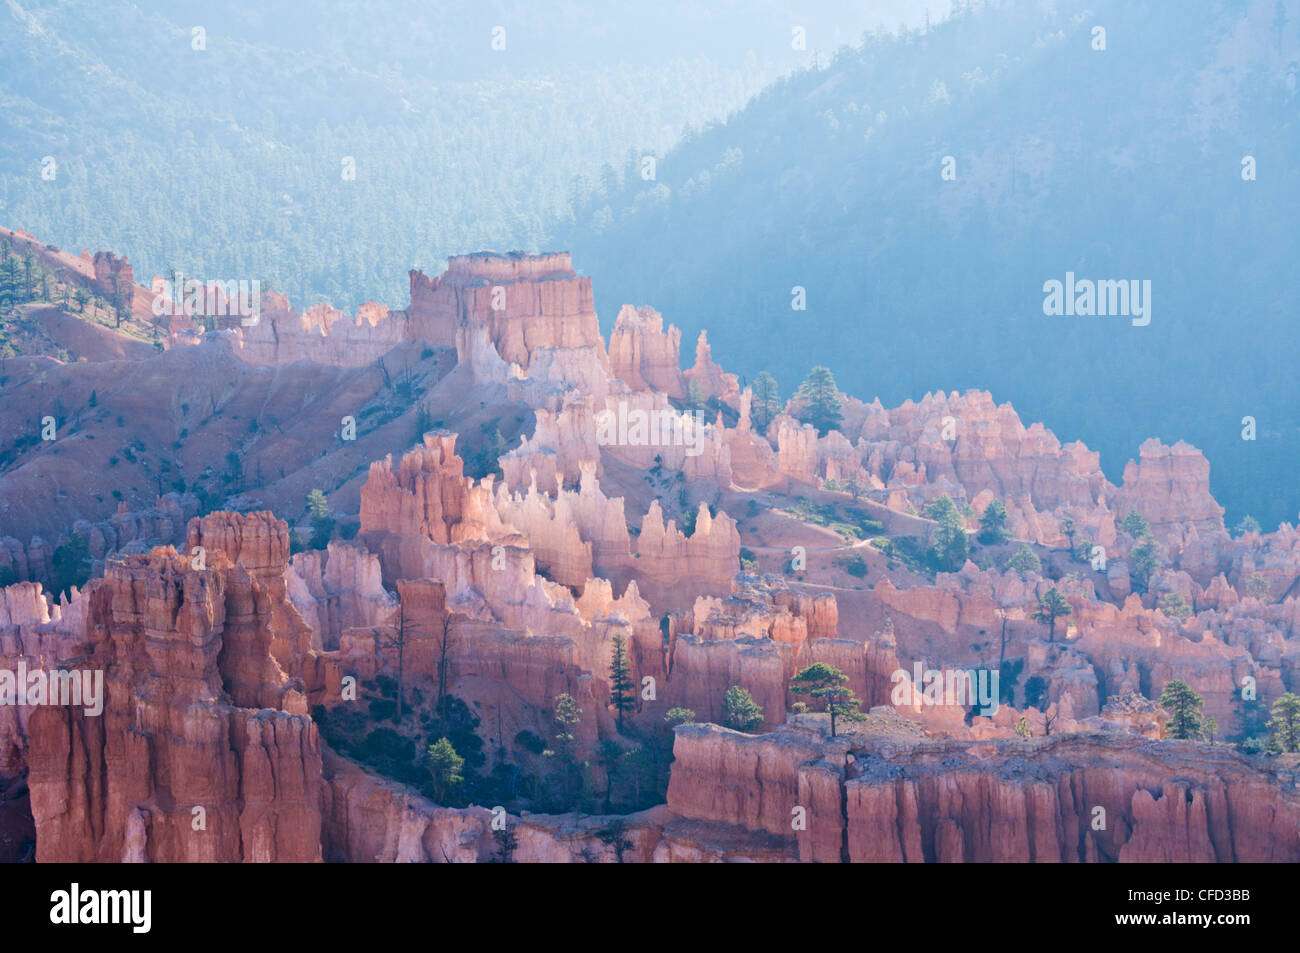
(710,554)
(767,607)
(875,800)
(339,589)
(162,524)
(758,638)
(753,462)
(370,820)
(427,496)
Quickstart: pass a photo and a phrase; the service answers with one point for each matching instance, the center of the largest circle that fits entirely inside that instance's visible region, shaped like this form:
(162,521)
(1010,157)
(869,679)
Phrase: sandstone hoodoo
(394,595)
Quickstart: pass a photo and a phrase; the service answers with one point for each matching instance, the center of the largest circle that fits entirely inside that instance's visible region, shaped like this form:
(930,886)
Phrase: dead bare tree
(1002,653)
(1049,719)
(398,641)
(410,631)
(444,645)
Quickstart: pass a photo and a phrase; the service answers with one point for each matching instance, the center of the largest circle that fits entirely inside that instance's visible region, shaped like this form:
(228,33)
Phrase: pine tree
(1143,561)
(679,716)
(1051,606)
(622,696)
(1248,524)
(1174,605)
(694,394)
(317,504)
(1067,529)
(1284,726)
(993,524)
(820,401)
(1187,720)
(406,632)
(322,520)
(567,718)
(765,403)
(739,710)
(444,766)
(949,544)
(1136,525)
(70,565)
(507,841)
(9,276)
(1025,560)
(29,266)
(828,682)
(423,423)
(615,836)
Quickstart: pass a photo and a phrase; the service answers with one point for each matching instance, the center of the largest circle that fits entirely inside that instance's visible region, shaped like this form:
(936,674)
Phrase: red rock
(1011,801)
(645,356)
(172,736)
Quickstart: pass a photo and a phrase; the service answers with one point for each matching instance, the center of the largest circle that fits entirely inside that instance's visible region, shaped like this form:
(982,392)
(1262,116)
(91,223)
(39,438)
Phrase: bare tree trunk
(1002,652)
(401,651)
(442,666)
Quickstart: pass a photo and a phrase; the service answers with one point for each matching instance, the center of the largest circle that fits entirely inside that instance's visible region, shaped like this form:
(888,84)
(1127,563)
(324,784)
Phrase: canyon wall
(864,799)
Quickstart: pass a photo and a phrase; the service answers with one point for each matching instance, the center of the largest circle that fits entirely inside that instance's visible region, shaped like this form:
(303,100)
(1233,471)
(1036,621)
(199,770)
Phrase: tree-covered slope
(1122,163)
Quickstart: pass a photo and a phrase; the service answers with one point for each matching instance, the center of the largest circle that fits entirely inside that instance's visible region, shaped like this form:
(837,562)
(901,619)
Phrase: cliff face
(322,334)
(340,588)
(528,304)
(1163,802)
(1170,486)
(967,446)
(710,554)
(754,464)
(204,750)
(871,800)
(645,356)
(713,383)
(113,274)
(427,495)
(176,768)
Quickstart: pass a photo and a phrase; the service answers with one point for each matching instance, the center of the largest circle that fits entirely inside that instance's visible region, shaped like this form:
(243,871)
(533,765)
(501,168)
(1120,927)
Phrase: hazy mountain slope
(228,160)
(1122,164)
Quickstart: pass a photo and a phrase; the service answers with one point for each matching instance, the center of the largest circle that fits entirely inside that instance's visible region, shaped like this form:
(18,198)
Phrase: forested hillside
(833,181)
(231,159)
